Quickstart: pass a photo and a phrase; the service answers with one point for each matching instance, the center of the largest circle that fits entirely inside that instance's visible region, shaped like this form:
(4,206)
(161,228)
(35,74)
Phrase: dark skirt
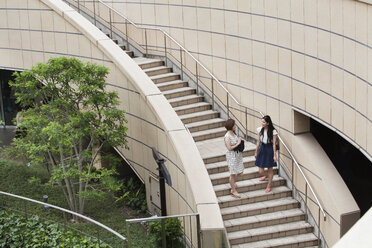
(265,156)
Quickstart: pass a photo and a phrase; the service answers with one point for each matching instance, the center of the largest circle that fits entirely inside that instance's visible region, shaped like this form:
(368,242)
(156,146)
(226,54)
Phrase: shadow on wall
(354,168)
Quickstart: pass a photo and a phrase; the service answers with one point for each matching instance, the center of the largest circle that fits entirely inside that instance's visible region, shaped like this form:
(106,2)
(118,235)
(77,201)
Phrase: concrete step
(301,240)
(258,208)
(184,100)
(192,108)
(145,63)
(269,232)
(172,85)
(165,77)
(262,220)
(199,116)
(204,125)
(153,71)
(184,91)
(254,196)
(248,173)
(209,134)
(222,166)
(248,185)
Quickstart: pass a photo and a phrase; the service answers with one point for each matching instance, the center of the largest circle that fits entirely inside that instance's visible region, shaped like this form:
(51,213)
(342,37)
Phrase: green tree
(67,118)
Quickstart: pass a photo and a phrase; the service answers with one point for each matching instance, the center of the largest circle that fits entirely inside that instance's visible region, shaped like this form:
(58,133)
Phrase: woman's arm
(258,145)
(275,140)
(228,144)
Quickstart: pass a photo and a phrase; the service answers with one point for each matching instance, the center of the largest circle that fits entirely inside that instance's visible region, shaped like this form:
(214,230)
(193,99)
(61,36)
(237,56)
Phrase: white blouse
(264,136)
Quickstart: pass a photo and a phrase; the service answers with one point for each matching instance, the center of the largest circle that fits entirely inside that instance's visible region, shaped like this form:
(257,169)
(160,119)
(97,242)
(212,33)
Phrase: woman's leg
(262,172)
(270,173)
(232,181)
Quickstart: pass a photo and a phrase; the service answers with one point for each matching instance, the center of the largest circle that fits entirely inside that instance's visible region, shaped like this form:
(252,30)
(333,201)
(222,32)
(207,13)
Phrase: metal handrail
(66,211)
(228,94)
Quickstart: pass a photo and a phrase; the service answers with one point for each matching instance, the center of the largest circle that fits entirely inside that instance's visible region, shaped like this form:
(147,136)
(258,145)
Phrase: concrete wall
(33,31)
(315,56)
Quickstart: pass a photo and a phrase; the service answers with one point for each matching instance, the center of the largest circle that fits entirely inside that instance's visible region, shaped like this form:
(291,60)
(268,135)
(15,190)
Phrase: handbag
(240,147)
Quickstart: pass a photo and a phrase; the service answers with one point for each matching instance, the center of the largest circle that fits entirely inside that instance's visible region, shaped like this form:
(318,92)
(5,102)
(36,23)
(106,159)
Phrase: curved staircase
(257,219)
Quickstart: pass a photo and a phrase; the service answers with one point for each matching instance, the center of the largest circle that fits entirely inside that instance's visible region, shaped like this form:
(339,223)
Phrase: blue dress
(265,156)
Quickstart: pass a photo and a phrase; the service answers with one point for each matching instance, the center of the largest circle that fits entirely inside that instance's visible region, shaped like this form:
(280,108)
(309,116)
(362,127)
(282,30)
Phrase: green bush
(17,231)
(173,232)
(132,193)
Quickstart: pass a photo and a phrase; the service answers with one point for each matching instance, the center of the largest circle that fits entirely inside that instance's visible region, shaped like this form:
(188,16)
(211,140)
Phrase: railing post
(198,230)
(165,49)
(94,13)
(181,64)
(306,207)
(184,232)
(110,25)
(126,33)
(128,234)
(197,78)
(212,94)
(78,6)
(319,226)
(246,123)
(146,43)
(292,173)
(227,105)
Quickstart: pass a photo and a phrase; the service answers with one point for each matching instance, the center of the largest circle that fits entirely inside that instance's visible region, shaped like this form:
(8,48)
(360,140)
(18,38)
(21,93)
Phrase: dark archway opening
(354,168)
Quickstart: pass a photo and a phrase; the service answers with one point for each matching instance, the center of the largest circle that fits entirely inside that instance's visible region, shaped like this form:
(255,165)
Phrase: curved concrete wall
(33,31)
(314,56)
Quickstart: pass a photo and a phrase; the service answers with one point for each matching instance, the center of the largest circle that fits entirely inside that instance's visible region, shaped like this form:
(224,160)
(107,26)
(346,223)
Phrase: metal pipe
(197,78)
(165,50)
(181,64)
(198,230)
(126,33)
(227,106)
(94,12)
(110,25)
(212,95)
(78,5)
(246,123)
(146,42)
(306,201)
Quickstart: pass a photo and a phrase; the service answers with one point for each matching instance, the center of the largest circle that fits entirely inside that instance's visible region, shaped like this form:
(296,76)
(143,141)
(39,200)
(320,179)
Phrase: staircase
(257,219)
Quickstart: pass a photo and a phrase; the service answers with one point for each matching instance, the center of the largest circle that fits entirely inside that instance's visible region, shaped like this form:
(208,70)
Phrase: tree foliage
(68,116)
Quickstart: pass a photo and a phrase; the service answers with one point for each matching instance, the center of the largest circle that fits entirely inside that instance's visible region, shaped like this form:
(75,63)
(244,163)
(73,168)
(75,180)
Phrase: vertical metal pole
(198,230)
(165,49)
(110,24)
(191,230)
(146,42)
(128,234)
(306,207)
(164,239)
(94,12)
(227,105)
(78,6)
(126,33)
(181,64)
(184,232)
(197,78)
(319,227)
(246,123)
(292,174)
(212,95)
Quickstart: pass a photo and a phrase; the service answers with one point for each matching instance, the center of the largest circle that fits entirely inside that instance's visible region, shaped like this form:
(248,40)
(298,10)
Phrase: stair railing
(157,42)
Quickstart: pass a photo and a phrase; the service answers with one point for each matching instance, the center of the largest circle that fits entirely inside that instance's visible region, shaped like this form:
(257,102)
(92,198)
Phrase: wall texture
(314,56)
(33,31)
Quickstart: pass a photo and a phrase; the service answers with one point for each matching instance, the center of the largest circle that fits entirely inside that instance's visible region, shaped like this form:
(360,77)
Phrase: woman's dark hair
(270,129)
(229,124)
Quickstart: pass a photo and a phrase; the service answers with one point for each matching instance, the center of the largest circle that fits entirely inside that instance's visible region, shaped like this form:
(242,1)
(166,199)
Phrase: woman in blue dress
(265,153)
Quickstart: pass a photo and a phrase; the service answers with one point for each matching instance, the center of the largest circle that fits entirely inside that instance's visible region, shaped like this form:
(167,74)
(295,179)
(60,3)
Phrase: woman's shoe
(268,189)
(264,178)
(235,194)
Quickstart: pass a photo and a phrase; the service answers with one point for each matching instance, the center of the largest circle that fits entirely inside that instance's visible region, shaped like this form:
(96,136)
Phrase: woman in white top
(234,159)
(265,153)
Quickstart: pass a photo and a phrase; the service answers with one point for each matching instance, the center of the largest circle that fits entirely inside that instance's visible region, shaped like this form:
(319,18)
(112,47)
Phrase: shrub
(17,231)
(173,232)
(132,193)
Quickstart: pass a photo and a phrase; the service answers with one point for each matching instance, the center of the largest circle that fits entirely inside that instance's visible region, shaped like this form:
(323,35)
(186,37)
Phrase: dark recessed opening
(353,166)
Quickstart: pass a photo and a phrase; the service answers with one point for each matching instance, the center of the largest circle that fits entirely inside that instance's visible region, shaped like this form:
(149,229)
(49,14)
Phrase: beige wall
(33,31)
(315,56)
